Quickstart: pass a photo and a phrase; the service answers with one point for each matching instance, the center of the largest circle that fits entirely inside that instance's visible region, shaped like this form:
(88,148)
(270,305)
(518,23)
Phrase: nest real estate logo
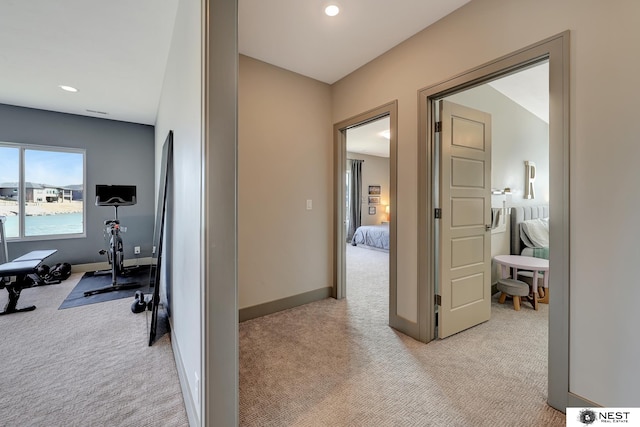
(587,416)
(593,417)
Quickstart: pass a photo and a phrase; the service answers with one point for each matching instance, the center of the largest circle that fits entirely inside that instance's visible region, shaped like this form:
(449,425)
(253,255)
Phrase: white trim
(192,412)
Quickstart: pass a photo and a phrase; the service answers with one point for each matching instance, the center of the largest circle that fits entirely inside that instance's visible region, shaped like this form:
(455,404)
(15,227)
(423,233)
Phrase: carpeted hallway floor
(337,363)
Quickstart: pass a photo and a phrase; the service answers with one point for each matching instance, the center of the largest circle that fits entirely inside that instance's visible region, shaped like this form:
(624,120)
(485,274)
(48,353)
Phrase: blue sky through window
(8,164)
(57,168)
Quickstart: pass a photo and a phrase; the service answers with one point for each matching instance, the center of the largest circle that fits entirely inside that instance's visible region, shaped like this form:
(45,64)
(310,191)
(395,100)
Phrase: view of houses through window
(41,190)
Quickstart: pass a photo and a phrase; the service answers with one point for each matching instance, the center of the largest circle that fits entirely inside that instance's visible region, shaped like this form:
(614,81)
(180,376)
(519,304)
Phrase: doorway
(555,50)
(374,204)
(367,212)
(513,110)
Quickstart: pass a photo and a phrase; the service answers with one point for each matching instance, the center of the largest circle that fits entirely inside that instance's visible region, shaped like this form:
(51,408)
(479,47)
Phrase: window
(42,191)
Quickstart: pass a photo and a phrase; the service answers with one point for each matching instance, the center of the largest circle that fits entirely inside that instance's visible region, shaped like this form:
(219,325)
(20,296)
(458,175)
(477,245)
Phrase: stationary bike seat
(111,222)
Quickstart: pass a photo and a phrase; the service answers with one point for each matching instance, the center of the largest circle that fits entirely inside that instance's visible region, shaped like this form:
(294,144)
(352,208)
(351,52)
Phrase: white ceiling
(115,52)
(368,138)
(298,36)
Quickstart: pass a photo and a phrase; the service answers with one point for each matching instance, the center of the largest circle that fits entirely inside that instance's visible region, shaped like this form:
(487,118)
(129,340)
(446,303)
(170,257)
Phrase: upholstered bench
(513,288)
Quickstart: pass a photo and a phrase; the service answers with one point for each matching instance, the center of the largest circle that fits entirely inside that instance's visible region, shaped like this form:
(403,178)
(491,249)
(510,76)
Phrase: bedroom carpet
(90,366)
(337,363)
(91,281)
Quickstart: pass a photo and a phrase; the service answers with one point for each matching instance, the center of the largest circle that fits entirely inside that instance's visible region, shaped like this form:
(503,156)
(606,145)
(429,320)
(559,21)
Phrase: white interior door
(464,226)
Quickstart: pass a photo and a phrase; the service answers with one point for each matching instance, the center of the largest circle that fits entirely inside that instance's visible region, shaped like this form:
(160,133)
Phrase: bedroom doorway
(516,107)
(519,108)
(512,111)
(554,50)
(367,214)
(365,194)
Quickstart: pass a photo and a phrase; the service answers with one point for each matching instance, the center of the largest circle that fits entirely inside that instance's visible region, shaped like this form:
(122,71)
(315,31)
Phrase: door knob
(487,227)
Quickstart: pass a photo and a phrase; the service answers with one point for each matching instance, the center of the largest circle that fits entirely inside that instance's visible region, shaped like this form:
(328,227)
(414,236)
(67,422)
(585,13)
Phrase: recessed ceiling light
(332,10)
(68,88)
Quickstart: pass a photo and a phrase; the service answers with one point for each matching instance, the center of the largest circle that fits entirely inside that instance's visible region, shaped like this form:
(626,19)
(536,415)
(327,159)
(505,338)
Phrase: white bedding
(527,252)
(521,214)
(535,232)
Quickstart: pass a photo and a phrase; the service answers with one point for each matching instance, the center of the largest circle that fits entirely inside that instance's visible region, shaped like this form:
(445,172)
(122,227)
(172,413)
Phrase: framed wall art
(374,189)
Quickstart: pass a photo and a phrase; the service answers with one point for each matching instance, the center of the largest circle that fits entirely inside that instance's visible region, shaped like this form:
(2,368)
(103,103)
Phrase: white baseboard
(187,396)
(96,266)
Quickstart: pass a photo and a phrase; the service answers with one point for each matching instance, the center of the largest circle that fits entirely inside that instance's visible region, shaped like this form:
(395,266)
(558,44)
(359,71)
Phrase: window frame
(22,191)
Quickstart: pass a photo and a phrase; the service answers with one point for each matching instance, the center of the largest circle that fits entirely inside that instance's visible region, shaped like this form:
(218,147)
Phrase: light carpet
(84,366)
(338,363)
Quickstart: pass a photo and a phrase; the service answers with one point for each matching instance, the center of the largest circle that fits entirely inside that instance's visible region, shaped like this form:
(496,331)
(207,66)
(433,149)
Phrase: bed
(372,236)
(530,237)
(530,231)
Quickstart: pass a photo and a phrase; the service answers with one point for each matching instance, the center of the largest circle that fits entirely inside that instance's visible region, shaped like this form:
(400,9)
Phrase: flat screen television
(115,195)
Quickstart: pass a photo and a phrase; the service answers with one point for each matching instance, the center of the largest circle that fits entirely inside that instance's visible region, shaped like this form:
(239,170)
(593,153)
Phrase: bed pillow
(535,232)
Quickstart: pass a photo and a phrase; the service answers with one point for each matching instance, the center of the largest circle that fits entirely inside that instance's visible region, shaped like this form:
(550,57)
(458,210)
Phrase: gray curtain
(355,195)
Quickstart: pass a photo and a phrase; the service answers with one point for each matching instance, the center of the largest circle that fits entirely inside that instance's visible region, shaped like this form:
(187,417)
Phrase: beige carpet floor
(337,363)
(84,366)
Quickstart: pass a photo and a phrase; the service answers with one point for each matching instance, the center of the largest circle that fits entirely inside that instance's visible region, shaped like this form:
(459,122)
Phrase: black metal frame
(115,195)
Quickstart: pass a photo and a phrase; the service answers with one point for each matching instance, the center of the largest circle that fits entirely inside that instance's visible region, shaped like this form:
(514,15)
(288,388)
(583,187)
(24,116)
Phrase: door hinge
(437,213)
(438,126)
(438,299)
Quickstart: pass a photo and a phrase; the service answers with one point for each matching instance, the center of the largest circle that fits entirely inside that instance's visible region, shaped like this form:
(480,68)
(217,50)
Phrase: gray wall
(116,153)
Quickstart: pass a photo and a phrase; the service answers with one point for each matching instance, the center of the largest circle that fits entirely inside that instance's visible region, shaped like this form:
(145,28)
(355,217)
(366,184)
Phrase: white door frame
(556,50)
(339,166)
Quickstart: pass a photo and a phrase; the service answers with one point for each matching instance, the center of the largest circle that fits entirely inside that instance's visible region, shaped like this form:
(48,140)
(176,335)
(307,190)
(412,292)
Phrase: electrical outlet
(309,204)
(136,250)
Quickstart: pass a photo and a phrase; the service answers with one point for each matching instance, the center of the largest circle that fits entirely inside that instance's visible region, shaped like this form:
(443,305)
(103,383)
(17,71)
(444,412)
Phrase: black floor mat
(91,281)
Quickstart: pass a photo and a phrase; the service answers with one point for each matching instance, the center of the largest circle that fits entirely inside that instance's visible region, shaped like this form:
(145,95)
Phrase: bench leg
(14,294)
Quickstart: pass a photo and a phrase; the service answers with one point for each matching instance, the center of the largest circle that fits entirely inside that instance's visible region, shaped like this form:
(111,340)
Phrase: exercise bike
(116,196)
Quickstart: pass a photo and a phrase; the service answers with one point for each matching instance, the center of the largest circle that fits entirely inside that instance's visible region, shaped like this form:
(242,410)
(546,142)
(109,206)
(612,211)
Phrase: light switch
(309,204)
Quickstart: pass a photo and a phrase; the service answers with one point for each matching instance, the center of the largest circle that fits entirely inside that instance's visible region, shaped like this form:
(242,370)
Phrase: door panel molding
(464,290)
(555,49)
